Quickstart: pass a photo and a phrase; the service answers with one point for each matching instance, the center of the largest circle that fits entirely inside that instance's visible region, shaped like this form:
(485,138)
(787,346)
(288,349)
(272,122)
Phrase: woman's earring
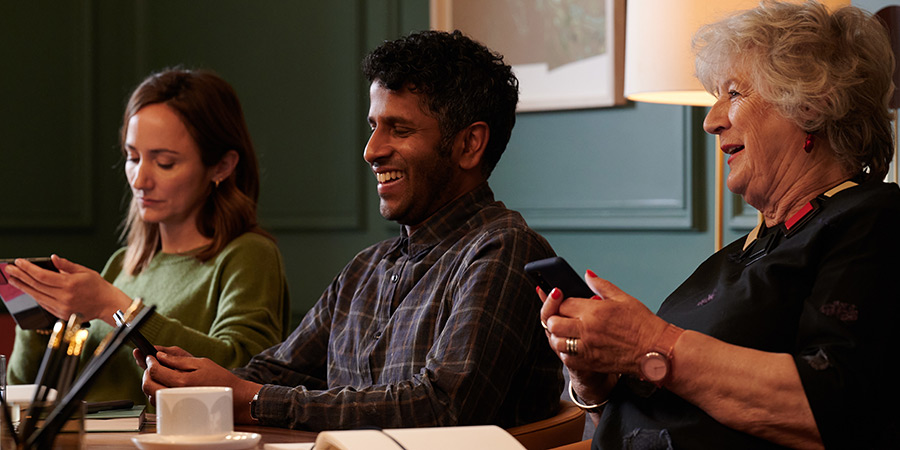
(217,181)
(810,143)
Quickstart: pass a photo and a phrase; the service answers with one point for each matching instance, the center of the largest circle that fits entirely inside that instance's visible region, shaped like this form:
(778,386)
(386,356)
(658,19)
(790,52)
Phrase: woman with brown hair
(194,248)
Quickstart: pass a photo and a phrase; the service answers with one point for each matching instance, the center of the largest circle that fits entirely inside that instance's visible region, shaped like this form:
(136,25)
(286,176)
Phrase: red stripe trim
(796,217)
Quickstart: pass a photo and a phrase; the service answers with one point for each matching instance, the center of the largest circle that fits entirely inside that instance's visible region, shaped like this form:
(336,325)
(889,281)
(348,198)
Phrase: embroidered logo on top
(706,300)
(845,312)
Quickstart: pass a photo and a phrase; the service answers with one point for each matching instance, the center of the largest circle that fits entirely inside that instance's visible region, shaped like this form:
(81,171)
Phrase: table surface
(112,441)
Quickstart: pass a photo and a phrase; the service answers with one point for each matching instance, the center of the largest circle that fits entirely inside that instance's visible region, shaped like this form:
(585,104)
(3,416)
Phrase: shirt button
(395,278)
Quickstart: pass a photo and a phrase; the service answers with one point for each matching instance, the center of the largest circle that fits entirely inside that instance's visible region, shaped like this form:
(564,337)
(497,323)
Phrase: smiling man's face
(415,176)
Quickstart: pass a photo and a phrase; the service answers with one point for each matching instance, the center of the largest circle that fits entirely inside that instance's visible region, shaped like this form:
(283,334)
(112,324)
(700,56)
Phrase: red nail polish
(597,297)
(556,294)
(538,290)
(591,273)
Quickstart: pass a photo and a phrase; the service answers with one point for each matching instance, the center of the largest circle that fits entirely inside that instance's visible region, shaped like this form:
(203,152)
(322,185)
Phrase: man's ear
(225,167)
(473,140)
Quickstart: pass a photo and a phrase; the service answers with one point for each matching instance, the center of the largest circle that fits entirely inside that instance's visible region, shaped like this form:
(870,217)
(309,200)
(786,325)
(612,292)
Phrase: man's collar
(449,218)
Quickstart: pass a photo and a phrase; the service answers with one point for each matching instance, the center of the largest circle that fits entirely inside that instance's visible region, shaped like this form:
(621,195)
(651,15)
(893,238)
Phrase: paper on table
(300,446)
(487,437)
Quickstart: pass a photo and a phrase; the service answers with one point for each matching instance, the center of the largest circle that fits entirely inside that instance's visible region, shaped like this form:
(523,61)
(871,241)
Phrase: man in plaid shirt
(440,325)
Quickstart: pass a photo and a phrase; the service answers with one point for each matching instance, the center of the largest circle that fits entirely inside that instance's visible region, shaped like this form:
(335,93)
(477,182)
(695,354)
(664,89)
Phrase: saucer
(235,440)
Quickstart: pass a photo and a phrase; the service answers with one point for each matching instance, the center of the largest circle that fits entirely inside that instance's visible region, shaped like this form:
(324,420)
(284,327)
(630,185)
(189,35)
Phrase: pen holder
(70,436)
(6,429)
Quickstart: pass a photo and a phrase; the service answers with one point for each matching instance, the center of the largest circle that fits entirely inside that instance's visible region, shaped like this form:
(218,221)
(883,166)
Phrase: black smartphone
(138,339)
(23,307)
(555,272)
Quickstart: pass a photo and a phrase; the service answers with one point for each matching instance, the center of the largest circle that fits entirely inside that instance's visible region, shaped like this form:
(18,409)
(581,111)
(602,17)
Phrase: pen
(3,376)
(7,422)
(48,366)
(6,412)
(70,363)
(69,359)
(72,399)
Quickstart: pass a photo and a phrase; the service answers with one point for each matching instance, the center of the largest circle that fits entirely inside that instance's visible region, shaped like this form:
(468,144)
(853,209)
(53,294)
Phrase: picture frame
(567,54)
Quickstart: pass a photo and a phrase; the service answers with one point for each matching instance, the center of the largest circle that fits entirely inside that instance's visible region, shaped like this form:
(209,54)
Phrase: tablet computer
(24,309)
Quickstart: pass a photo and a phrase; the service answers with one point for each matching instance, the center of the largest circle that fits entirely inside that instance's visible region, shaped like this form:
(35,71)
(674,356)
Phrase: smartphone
(138,339)
(555,272)
(24,309)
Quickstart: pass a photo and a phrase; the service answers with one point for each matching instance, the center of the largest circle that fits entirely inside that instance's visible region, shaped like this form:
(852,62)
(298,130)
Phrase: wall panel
(295,66)
(562,175)
(46,114)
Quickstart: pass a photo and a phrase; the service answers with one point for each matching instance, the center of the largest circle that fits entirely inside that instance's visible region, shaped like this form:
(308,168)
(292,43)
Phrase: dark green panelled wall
(625,191)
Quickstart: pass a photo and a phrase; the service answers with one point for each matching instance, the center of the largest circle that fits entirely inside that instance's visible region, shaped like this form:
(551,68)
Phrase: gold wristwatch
(656,365)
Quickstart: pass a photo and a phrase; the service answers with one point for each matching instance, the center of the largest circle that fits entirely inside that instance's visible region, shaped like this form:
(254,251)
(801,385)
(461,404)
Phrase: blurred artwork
(565,52)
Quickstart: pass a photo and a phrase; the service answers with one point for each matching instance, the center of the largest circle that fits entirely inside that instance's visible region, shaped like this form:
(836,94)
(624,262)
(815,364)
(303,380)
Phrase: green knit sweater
(226,309)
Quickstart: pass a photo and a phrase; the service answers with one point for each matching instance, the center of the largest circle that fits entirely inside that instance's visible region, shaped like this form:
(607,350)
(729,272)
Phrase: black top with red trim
(821,287)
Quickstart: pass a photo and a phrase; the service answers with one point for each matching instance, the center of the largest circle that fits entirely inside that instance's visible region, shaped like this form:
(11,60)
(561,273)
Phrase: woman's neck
(800,193)
(181,239)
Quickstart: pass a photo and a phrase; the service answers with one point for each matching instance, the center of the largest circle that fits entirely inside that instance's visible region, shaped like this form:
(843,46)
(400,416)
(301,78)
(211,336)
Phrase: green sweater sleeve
(237,303)
(227,309)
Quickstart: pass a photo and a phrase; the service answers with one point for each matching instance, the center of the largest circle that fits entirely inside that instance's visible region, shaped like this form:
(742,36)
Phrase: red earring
(810,142)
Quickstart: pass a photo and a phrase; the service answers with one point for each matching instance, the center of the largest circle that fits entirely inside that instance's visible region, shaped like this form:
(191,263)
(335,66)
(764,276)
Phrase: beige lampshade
(659,64)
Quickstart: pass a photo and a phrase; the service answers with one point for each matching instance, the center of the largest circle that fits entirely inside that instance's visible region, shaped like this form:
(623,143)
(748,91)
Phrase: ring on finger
(544,324)
(572,346)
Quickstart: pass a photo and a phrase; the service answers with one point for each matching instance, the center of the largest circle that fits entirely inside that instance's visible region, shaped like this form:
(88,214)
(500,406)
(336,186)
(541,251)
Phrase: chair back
(565,427)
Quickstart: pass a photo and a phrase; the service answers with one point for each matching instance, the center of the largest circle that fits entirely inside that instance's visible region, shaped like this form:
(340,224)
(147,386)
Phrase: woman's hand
(591,387)
(75,289)
(612,329)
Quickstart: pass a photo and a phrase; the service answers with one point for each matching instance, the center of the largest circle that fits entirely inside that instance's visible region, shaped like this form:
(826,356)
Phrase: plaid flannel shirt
(439,328)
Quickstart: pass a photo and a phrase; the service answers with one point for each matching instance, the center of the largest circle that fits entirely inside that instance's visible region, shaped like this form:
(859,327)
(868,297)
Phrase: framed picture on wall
(567,54)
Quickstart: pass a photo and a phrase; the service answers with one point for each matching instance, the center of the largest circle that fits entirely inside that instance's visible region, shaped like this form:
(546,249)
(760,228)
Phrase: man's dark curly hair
(461,81)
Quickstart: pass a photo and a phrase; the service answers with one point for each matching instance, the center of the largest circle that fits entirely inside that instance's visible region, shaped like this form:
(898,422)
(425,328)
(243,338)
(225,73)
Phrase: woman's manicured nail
(591,273)
(556,294)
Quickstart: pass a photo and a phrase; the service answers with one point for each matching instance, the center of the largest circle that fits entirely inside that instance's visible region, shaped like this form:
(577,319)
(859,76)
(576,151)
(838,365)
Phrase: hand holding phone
(25,310)
(555,272)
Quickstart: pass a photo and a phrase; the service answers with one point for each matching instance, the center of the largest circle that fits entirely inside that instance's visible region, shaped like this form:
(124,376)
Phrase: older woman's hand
(74,289)
(612,329)
(590,387)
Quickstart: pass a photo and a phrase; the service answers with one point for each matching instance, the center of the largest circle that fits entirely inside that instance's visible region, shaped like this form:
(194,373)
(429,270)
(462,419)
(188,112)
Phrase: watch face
(654,367)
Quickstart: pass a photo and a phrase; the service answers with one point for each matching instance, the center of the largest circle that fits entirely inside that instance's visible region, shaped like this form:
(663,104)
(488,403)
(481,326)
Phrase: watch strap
(665,345)
(254,414)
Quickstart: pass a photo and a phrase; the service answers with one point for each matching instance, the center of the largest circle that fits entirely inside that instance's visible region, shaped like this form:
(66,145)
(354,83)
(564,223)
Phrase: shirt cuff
(273,405)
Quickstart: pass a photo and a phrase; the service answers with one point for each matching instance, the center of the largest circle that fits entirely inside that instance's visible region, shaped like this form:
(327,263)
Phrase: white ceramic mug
(194,413)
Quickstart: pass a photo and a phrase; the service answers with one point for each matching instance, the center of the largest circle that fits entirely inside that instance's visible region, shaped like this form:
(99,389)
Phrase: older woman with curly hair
(785,336)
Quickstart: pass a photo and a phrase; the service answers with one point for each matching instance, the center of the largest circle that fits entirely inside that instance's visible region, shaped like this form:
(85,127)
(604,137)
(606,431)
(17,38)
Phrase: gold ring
(544,324)
(572,346)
